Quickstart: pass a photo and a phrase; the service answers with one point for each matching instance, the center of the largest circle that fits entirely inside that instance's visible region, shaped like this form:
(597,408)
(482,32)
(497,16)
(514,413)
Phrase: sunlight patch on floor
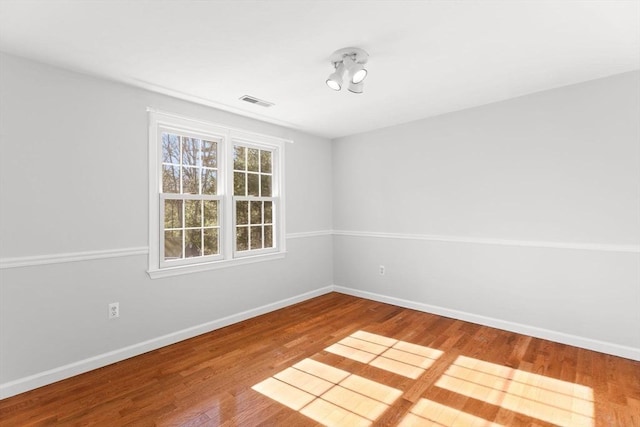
(547,399)
(429,413)
(335,397)
(329,395)
(400,357)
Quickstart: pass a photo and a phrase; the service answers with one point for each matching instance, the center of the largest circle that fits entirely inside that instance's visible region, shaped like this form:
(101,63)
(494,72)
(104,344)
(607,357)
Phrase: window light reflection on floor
(547,399)
(335,397)
(399,357)
(329,395)
(426,413)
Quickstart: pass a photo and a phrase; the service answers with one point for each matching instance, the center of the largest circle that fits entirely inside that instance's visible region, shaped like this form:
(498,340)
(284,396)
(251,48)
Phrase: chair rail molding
(605,247)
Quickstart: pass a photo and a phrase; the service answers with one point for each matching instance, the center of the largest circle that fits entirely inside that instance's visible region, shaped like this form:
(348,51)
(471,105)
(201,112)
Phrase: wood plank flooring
(340,360)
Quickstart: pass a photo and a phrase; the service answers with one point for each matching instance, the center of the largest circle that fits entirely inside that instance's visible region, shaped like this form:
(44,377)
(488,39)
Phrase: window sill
(214,265)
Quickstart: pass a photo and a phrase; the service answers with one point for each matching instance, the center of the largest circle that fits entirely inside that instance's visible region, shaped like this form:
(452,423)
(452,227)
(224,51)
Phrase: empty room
(320,213)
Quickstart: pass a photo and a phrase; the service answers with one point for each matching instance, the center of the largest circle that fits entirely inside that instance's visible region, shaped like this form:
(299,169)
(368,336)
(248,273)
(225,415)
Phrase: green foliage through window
(189,168)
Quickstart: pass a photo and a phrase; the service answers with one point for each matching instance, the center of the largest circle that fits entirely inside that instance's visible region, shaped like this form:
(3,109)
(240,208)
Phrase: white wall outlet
(381,270)
(114,310)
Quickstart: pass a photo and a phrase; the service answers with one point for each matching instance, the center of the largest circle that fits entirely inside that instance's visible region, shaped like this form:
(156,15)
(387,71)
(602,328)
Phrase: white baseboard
(559,337)
(40,379)
(31,382)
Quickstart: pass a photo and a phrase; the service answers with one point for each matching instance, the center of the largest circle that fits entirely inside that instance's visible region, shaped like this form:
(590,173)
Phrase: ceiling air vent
(256,101)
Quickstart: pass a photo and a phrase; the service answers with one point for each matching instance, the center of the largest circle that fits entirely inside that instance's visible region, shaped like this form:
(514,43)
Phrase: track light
(348,63)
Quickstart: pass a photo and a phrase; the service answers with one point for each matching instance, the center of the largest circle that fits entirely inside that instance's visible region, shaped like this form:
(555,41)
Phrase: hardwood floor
(341,360)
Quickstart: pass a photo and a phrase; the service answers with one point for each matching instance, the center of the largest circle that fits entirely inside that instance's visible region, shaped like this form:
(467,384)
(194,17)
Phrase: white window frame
(226,138)
(275,198)
(213,136)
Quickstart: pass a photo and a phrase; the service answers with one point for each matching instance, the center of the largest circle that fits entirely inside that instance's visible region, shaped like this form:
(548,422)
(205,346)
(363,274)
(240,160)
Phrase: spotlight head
(356,87)
(358,75)
(334,81)
(350,62)
(333,84)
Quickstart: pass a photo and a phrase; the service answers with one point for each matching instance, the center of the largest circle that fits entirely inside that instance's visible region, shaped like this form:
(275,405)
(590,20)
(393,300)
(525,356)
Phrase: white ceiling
(426,57)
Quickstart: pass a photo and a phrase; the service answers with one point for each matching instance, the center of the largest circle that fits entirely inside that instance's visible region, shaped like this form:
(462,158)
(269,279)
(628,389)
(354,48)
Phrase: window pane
(210,213)
(190,151)
(170,148)
(268,215)
(242,238)
(211,241)
(252,159)
(265,161)
(209,181)
(193,243)
(210,154)
(256,237)
(253,182)
(239,185)
(172,244)
(239,162)
(265,185)
(189,180)
(256,212)
(268,236)
(170,179)
(192,213)
(242,212)
(173,214)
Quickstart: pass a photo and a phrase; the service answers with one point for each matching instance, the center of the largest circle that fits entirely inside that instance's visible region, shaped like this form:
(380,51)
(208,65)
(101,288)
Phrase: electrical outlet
(114,310)
(381,270)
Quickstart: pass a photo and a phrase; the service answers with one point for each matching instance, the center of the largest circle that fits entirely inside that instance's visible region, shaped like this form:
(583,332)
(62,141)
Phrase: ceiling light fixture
(349,65)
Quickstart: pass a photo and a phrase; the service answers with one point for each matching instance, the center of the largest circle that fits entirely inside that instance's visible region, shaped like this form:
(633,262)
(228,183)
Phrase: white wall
(73,179)
(523,214)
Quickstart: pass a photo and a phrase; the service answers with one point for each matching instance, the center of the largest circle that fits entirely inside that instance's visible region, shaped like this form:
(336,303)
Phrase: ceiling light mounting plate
(358,55)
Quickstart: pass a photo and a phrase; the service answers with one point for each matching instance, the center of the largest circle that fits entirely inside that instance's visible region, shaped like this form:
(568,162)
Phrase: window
(189,200)
(253,201)
(216,196)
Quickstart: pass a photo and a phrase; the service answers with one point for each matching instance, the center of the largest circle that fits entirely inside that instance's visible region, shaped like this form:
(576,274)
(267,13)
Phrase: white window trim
(228,258)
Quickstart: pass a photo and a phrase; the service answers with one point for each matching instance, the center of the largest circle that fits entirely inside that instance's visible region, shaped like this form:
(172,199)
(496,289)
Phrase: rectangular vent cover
(256,101)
